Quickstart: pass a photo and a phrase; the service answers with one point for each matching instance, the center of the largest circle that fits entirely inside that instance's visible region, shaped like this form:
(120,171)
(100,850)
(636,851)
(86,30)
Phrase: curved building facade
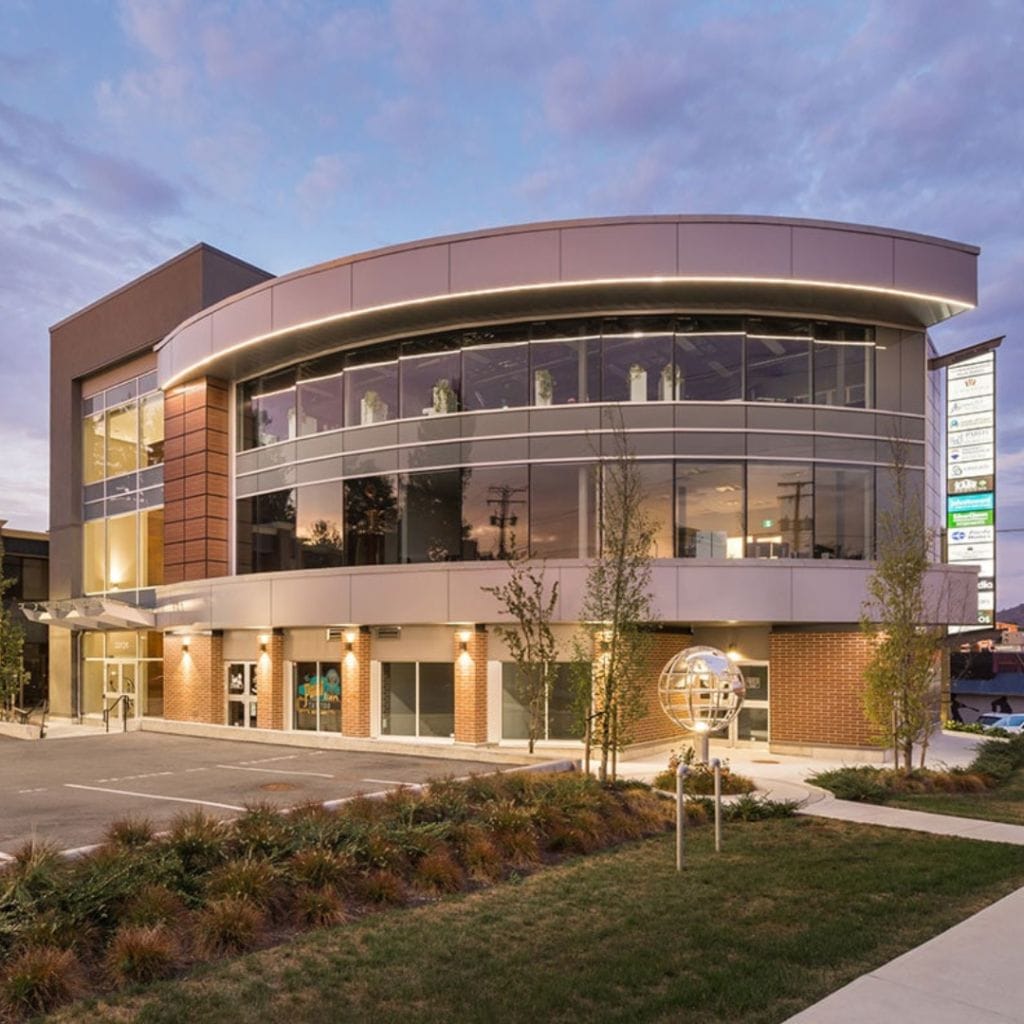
(292,501)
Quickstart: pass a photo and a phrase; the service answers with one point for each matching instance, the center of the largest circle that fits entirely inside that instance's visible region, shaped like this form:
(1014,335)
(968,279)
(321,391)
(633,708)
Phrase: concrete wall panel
(313,599)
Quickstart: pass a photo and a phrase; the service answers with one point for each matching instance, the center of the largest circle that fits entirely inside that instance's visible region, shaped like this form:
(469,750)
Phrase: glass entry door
(751,724)
(241,686)
(120,681)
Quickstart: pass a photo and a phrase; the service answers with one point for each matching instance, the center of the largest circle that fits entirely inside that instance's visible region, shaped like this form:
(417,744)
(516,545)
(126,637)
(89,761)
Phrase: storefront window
(418,699)
(318,526)
(495,512)
(780,511)
(371,520)
(431,517)
(709,510)
(316,698)
(561,717)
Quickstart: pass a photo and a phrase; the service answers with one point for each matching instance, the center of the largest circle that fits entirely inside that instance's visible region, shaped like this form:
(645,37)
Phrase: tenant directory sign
(971,473)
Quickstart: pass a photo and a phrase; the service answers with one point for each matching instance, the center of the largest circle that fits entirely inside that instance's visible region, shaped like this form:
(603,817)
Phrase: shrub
(262,831)
(153,904)
(701,779)
(318,867)
(438,871)
(142,953)
(861,784)
(228,925)
(477,852)
(380,886)
(39,979)
(198,841)
(129,832)
(754,807)
(246,878)
(318,907)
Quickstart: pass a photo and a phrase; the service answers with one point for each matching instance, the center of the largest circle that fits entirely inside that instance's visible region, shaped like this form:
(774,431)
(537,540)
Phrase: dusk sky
(294,131)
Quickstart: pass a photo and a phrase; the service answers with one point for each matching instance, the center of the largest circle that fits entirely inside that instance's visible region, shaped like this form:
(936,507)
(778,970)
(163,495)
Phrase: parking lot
(67,791)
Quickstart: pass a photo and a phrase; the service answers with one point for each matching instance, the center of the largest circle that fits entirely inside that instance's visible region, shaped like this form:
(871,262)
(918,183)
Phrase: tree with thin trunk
(901,695)
(12,646)
(616,610)
(526,599)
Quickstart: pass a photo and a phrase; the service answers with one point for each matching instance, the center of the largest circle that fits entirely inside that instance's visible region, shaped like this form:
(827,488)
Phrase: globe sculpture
(701,690)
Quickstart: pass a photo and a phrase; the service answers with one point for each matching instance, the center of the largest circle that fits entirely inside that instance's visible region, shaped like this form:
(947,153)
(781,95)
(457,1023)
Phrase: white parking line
(41,790)
(389,782)
(273,771)
(153,796)
(268,760)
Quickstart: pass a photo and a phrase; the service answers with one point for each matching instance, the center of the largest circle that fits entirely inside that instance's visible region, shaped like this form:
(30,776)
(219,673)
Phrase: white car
(1008,723)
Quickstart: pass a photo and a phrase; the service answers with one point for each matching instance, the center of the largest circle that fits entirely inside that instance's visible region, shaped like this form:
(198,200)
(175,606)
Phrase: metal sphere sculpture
(701,690)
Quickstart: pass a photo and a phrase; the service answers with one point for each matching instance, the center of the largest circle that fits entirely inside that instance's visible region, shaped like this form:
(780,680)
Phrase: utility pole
(501,498)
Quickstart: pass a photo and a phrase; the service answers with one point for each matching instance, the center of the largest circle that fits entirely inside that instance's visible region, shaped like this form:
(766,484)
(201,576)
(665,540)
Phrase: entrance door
(120,681)
(241,687)
(751,725)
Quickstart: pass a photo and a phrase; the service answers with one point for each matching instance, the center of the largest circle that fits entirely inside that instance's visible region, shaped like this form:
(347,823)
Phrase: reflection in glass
(842,374)
(843,512)
(371,520)
(638,364)
(656,504)
(266,533)
(320,405)
(496,376)
(563,516)
(318,527)
(268,409)
(709,509)
(152,531)
(93,455)
(398,698)
(431,519)
(122,429)
(436,698)
(430,384)
(565,363)
(710,367)
(122,552)
(780,511)
(778,369)
(94,555)
(316,697)
(152,430)
(495,512)
(561,718)
(371,394)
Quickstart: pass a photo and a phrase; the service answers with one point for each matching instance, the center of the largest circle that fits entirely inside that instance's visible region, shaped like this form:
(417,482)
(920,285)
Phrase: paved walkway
(969,974)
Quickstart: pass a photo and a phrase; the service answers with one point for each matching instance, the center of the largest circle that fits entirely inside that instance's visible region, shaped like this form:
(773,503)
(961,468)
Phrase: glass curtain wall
(710,510)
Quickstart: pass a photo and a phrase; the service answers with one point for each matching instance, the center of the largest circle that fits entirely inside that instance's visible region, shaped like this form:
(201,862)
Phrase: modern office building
(277,502)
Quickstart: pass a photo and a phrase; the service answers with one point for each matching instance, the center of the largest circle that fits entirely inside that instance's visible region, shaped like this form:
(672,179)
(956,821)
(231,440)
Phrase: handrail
(126,697)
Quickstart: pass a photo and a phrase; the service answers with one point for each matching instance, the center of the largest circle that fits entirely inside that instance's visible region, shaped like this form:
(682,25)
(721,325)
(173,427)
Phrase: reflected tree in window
(371,520)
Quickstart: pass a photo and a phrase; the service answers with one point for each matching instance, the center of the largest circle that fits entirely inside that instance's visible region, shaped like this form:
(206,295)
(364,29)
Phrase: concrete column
(270,682)
(194,678)
(355,683)
(470,684)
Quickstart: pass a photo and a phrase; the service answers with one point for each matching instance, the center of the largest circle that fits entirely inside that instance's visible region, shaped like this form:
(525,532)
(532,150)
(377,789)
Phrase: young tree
(616,607)
(900,698)
(530,642)
(12,645)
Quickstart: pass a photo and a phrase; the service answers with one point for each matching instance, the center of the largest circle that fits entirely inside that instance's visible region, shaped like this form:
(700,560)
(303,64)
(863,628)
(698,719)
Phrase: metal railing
(127,700)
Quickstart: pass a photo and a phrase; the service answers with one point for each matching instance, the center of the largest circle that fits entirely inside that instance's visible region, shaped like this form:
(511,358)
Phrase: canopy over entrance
(89,613)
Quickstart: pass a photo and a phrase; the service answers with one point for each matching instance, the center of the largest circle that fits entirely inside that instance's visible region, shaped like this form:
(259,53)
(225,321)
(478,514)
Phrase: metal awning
(89,613)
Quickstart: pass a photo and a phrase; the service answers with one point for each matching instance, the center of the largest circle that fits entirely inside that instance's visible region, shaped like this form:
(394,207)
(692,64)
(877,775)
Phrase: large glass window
(656,504)
(709,510)
(430,382)
(316,696)
(843,512)
(780,511)
(842,366)
(268,409)
(562,720)
(563,510)
(432,516)
(122,429)
(778,361)
(371,520)
(495,511)
(94,458)
(371,388)
(638,361)
(94,544)
(709,360)
(266,533)
(123,552)
(318,526)
(320,395)
(151,536)
(417,698)
(152,453)
(495,373)
(565,363)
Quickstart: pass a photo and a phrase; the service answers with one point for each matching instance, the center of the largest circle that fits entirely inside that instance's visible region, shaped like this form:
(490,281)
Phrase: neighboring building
(26,565)
(279,508)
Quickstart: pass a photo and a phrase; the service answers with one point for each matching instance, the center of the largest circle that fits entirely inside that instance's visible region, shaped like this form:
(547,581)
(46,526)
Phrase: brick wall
(196,480)
(270,683)
(655,724)
(470,687)
(816,688)
(355,685)
(194,681)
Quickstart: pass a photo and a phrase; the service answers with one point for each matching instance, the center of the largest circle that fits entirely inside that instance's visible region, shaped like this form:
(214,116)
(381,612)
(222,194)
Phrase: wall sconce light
(264,640)
(464,641)
(350,639)
(733,654)
(185,641)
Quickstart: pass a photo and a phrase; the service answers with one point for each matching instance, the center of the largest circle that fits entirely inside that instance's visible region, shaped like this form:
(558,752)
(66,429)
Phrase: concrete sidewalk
(969,974)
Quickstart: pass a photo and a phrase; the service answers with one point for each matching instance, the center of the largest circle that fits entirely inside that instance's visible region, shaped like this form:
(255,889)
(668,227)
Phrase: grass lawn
(1005,803)
(791,910)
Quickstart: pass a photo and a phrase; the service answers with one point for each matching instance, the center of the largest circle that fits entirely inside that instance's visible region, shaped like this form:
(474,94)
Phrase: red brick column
(471,685)
(355,684)
(270,683)
(194,679)
(817,688)
(196,480)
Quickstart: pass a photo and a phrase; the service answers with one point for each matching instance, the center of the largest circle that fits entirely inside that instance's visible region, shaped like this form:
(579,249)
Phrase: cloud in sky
(295,132)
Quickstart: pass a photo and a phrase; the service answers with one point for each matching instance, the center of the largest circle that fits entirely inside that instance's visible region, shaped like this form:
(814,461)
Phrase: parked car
(1008,723)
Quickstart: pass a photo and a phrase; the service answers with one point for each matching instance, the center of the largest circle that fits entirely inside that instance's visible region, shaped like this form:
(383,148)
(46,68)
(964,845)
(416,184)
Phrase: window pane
(437,698)
(563,702)
(841,374)
(319,526)
(432,516)
(245,554)
(778,368)
(153,430)
(152,526)
(306,695)
(93,459)
(273,532)
(710,366)
(709,510)
(780,511)
(371,520)
(122,440)
(495,512)
(563,516)
(398,698)
(638,364)
(496,376)
(752,724)
(371,394)
(843,513)
(430,384)
(320,405)
(515,714)
(35,579)
(122,552)
(656,503)
(565,361)
(273,409)
(94,554)
(330,698)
